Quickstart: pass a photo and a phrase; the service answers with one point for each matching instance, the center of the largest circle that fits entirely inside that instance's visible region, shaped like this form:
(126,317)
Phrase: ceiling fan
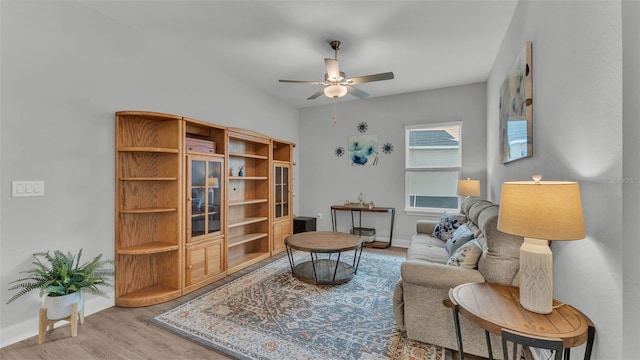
(335,81)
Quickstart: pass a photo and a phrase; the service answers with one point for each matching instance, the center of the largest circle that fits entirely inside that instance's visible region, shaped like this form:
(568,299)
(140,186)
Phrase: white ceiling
(427,44)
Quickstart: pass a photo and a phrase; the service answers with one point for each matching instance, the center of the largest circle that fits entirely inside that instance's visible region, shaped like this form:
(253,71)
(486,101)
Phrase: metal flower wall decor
(363,149)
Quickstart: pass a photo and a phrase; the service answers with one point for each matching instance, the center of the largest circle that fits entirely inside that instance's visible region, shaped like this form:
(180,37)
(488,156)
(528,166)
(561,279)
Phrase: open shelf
(240,262)
(245,238)
(248,178)
(148,165)
(148,149)
(247,202)
(199,130)
(249,156)
(150,295)
(148,248)
(146,279)
(148,178)
(246,221)
(147,210)
(282,151)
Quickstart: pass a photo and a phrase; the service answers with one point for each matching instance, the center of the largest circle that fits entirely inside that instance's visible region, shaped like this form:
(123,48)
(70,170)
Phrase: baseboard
(29,327)
(402,243)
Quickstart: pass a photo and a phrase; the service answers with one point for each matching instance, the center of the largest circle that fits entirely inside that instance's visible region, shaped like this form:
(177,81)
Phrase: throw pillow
(448,223)
(459,238)
(467,255)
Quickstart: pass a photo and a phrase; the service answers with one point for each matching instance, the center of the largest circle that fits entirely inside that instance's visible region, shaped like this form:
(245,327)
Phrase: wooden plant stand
(47,325)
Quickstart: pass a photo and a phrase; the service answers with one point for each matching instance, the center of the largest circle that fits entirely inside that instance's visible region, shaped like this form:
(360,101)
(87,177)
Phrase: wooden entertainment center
(195,202)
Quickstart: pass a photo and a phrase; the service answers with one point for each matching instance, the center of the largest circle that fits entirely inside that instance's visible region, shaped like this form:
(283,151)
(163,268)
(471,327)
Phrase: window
(432,167)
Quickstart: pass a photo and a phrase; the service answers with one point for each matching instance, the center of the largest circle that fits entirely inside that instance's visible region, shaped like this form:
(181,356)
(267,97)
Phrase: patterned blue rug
(269,314)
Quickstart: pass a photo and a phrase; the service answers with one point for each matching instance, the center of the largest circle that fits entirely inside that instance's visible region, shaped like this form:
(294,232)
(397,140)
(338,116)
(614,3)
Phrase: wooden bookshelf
(148,208)
(185,214)
(248,195)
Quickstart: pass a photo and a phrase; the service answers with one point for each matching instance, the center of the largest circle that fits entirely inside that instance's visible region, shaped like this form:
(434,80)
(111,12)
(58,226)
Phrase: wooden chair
(553,344)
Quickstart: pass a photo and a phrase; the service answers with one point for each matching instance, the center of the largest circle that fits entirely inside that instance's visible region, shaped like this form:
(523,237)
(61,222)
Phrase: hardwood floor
(126,333)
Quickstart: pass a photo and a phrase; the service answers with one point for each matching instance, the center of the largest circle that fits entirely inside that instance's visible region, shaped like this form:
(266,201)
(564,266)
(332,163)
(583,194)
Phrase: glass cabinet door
(205,177)
(214,173)
(281,191)
(285,191)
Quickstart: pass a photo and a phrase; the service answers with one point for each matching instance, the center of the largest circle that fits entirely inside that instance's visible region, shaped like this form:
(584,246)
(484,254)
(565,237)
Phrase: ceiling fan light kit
(336,82)
(335,91)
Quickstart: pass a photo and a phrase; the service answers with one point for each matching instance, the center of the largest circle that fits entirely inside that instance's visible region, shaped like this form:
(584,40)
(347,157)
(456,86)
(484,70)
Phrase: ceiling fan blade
(303,82)
(370,78)
(333,70)
(356,92)
(321,92)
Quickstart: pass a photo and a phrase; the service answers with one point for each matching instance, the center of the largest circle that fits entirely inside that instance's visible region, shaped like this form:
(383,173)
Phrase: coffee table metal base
(324,271)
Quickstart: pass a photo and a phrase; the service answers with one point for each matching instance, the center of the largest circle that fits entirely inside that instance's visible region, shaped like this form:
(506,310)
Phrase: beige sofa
(426,279)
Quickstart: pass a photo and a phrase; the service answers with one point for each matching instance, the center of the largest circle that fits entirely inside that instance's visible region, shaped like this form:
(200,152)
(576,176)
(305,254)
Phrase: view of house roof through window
(432,138)
(432,167)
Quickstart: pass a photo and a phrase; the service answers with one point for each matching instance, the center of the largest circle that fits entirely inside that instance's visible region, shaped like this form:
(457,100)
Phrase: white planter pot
(59,307)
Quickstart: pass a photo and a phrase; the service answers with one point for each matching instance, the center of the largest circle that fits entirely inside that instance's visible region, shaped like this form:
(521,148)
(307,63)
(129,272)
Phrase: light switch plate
(23,188)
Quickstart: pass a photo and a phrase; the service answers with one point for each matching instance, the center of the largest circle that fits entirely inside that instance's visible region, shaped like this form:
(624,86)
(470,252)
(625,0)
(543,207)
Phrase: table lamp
(540,211)
(468,187)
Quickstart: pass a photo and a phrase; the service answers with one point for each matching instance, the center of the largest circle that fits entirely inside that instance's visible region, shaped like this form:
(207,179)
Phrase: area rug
(269,314)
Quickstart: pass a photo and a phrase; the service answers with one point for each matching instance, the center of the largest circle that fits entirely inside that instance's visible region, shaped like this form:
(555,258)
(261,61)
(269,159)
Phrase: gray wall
(65,71)
(326,179)
(631,175)
(577,109)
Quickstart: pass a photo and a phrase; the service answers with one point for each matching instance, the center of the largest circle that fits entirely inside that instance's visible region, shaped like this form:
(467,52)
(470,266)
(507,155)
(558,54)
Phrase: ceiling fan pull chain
(335,110)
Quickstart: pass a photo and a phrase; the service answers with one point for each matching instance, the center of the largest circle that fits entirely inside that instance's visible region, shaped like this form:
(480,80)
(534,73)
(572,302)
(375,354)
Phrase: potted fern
(63,280)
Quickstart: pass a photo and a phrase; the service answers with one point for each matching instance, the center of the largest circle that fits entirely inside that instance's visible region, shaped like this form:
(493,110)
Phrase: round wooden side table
(494,307)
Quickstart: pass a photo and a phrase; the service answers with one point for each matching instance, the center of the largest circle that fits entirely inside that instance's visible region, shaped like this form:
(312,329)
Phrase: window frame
(408,169)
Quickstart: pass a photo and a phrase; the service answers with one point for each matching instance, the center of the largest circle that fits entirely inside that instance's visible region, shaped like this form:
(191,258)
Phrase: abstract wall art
(363,150)
(516,109)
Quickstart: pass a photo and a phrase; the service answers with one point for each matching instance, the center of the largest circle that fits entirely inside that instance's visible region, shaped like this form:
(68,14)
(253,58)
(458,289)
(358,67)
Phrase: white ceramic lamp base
(536,276)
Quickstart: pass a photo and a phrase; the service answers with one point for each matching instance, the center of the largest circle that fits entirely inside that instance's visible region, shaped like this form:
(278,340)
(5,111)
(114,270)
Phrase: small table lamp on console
(469,187)
(540,211)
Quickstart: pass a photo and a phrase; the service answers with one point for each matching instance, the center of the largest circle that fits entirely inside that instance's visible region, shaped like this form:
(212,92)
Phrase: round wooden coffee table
(323,270)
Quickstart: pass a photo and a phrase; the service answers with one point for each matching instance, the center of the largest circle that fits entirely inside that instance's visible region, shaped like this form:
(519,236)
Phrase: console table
(360,209)
(494,307)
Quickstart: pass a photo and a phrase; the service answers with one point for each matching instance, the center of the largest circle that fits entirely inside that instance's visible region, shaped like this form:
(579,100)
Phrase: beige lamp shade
(550,210)
(469,187)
